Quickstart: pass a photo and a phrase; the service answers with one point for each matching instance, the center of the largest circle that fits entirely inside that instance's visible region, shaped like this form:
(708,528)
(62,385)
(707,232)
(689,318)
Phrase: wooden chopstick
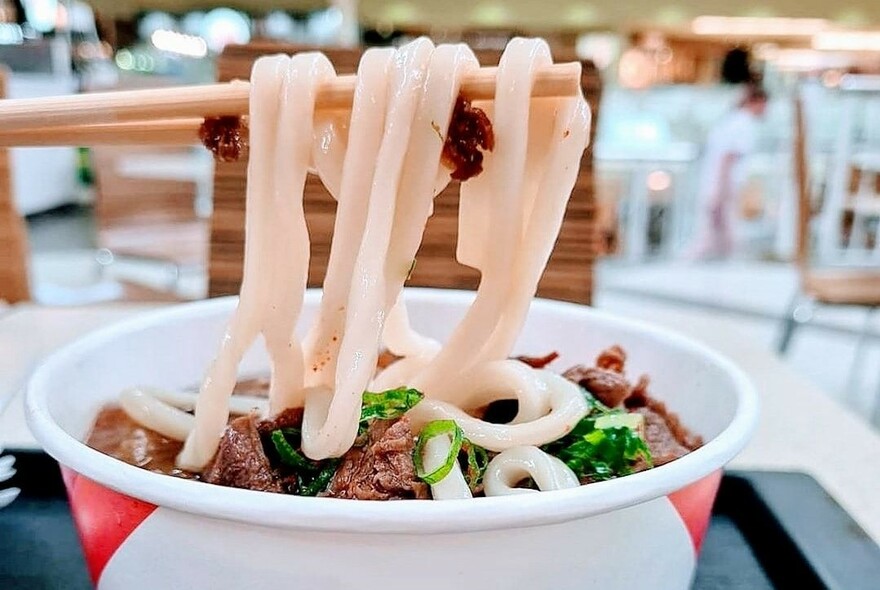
(40,115)
(157,133)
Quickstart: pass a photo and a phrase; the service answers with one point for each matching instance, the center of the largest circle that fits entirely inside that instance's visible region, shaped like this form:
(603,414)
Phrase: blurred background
(696,204)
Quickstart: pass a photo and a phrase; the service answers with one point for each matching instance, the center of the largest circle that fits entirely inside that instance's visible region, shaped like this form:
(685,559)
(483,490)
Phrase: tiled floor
(753,294)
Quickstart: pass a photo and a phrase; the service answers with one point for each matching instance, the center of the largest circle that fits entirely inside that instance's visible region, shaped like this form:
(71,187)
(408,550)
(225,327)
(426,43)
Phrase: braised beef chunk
(684,436)
(606,381)
(609,387)
(381,466)
(666,437)
(117,435)
(538,362)
(612,358)
(241,462)
(664,447)
(289,418)
(639,395)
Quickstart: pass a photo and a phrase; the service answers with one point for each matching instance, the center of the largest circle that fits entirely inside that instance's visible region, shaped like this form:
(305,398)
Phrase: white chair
(858,97)
(865,203)
(825,286)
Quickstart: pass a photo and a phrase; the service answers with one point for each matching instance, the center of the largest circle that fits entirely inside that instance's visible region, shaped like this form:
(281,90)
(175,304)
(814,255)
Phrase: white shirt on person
(736,133)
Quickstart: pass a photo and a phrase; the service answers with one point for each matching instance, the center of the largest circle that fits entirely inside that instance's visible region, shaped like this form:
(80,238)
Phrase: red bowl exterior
(105,519)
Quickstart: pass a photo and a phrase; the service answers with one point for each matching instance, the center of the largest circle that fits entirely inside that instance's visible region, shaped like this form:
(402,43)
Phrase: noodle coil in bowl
(605,534)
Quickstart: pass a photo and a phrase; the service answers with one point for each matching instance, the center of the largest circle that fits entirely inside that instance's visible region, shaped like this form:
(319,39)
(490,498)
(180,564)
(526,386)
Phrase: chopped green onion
(633,421)
(477,461)
(312,477)
(289,456)
(596,407)
(320,481)
(390,404)
(432,429)
(604,446)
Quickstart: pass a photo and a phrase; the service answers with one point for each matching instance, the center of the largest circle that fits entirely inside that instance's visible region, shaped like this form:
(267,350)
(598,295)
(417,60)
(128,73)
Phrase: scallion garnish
(477,461)
(430,430)
(602,447)
(314,486)
(620,420)
(390,404)
(289,455)
(312,477)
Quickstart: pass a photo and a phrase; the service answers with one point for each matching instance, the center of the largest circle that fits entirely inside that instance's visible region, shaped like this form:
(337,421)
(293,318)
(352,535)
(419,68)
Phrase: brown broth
(117,435)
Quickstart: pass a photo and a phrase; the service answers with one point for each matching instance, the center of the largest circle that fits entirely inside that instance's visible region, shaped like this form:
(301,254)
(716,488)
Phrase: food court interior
(736,156)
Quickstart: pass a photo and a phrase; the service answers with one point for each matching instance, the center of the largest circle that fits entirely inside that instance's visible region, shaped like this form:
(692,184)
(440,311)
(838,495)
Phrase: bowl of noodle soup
(605,534)
(572,489)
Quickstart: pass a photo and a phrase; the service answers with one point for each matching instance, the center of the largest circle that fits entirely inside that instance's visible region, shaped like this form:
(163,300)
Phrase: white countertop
(27,334)
(801,428)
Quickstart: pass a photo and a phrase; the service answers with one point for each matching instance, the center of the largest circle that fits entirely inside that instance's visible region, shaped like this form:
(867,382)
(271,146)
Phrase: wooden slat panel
(569,274)
(13,238)
(146,217)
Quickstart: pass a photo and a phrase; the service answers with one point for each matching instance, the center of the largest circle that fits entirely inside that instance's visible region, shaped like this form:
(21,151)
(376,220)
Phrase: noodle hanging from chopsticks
(383,164)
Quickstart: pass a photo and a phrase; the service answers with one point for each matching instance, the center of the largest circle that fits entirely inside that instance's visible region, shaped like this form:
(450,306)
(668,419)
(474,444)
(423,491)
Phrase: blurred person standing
(722,175)
(737,67)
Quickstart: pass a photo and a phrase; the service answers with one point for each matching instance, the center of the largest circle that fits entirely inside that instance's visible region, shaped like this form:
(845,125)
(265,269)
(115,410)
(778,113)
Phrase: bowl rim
(404,517)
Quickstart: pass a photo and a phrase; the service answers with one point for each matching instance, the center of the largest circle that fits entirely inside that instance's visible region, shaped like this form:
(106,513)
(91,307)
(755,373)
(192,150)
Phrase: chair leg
(859,234)
(877,239)
(104,258)
(799,311)
(173,281)
(858,237)
(875,417)
(850,394)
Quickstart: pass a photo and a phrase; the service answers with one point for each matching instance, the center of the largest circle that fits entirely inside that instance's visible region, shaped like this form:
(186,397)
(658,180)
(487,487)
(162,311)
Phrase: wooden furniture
(859,95)
(832,286)
(569,272)
(13,237)
(147,218)
(864,202)
(14,251)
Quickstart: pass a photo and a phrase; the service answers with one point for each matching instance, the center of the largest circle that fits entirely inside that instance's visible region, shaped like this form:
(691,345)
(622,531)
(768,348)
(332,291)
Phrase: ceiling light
(758,26)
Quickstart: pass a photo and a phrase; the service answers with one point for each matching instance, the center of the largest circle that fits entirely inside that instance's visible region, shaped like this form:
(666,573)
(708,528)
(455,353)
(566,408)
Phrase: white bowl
(144,530)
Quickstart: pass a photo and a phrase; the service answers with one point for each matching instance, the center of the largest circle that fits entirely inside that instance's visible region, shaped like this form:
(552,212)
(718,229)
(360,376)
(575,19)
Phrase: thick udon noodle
(382,164)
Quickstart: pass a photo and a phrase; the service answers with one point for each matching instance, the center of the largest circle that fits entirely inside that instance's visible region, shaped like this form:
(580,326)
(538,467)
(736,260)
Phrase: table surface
(801,428)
